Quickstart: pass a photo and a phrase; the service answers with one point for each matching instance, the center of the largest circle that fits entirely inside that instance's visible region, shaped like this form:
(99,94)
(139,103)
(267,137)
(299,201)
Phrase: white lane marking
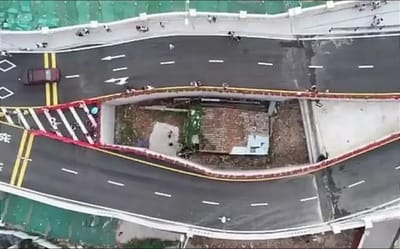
(356,183)
(90,116)
(108,58)
(22,118)
(70,171)
(81,125)
(116,183)
(215,61)
(398,167)
(365,66)
(72,76)
(162,194)
(167,62)
(265,63)
(67,125)
(308,199)
(210,203)
(315,66)
(259,204)
(37,120)
(9,119)
(119,69)
(53,125)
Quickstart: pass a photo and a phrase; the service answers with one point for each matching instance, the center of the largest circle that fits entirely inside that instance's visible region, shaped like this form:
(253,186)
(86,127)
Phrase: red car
(42,75)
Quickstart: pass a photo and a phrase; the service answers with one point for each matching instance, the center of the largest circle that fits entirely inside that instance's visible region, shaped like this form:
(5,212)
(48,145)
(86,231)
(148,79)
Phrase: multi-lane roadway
(108,180)
(342,65)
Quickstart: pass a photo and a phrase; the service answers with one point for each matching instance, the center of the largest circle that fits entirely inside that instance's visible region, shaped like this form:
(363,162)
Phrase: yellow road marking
(18,159)
(48,87)
(55,93)
(25,160)
(54,84)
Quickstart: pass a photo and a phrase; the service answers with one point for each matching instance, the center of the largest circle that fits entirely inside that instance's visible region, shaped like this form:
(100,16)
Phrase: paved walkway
(344,18)
(346,125)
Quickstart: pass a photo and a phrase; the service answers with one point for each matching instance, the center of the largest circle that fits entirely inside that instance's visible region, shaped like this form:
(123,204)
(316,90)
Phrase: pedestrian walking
(209,19)
(225,85)
(107,28)
(79,33)
(214,19)
(162,25)
(5,53)
(170,134)
(171,46)
(86,31)
(41,44)
(231,34)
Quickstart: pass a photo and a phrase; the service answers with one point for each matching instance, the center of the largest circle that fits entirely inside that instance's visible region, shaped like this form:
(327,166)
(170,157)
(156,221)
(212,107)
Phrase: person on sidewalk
(86,31)
(107,28)
(41,44)
(5,53)
(162,24)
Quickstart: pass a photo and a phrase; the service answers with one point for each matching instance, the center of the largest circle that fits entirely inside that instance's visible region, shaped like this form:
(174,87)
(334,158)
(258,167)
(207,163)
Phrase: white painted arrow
(118,81)
(108,58)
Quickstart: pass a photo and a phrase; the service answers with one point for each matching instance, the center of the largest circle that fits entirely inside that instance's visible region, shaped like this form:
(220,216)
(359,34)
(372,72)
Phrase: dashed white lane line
(356,183)
(167,62)
(309,199)
(70,171)
(315,66)
(216,61)
(163,194)
(210,203)
(258,204)
(265,63)
(119,69)
(116,183)
(398,167)
(72,76)
(365,66)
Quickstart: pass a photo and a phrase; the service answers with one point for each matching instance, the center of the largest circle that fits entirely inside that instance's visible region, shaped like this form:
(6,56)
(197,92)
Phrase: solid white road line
(308,199)
(71,76)
(22,118)
(116,183)
(215,61)
(69,171)
(81,125)
(314,66)
(90,116)
(365,66)
(167,62)
(265,63)
(162,194)
(67,125)
(37,120)
(9,119)
(356,183)
(398,167)
(259,204)
(54,126)
(210,203)
(119,69)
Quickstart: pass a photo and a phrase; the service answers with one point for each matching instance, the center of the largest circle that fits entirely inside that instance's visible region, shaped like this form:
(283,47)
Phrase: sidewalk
(340,20)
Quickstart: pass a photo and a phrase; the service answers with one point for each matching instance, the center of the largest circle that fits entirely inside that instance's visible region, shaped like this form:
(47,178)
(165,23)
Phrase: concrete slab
(164,139)
(342,126)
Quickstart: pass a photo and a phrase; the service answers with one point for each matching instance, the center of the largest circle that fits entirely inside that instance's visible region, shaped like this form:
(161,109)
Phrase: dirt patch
(288,143)
(134,124)
(328,240)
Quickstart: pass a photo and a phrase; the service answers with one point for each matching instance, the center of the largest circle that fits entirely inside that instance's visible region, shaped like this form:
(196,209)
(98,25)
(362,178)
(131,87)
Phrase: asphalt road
(360,183)
(93,169)
(8,150)
(334,66)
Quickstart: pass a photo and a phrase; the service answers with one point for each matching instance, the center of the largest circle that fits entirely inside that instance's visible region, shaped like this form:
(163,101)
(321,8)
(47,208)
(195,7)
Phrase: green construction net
(56,223)
(34,14)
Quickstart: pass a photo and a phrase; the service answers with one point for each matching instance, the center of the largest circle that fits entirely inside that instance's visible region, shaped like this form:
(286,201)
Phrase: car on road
(42,75)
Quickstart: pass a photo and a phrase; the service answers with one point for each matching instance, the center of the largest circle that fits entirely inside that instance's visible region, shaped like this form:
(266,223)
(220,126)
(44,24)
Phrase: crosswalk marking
(53,125)
(81,125)
(22,118)
(90,116)
(9,119)
(37,121)
(67,125)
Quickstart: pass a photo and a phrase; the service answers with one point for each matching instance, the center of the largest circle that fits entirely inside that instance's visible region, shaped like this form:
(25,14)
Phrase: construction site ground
(134,124)
(328,240)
